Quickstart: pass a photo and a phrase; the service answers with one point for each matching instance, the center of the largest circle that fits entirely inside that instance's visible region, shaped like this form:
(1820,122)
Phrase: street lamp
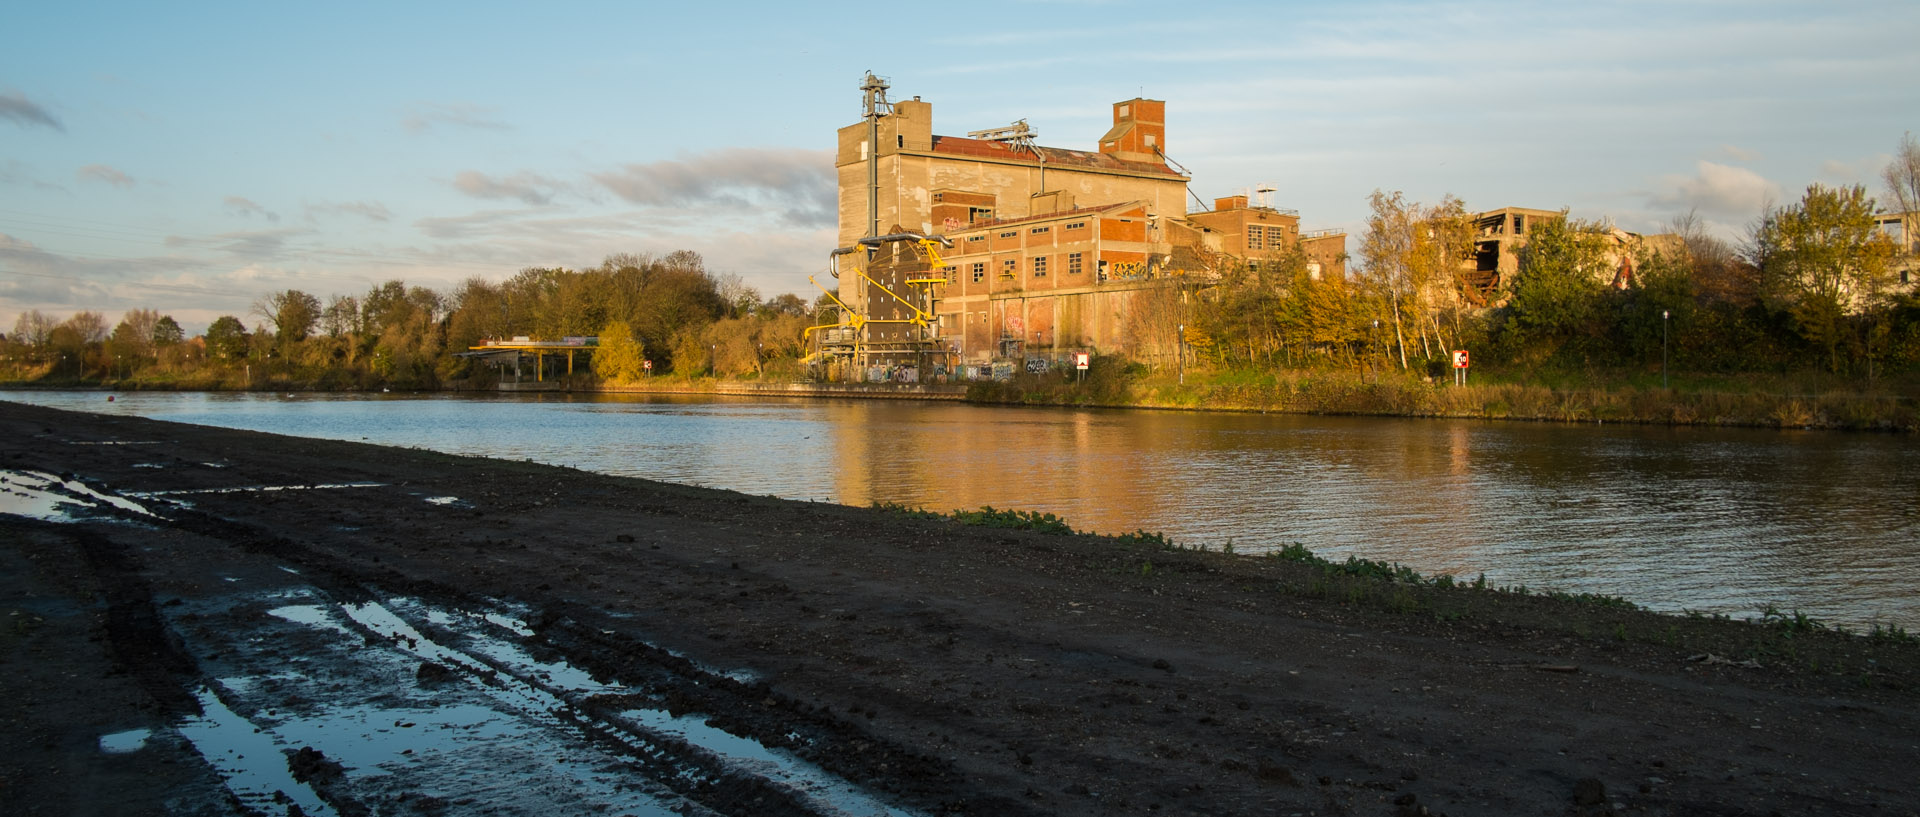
(1664,315)
(1180,354)
(1371,335)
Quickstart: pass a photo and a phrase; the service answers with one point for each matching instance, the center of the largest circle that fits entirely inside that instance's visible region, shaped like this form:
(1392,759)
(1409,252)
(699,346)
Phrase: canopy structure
(500,352)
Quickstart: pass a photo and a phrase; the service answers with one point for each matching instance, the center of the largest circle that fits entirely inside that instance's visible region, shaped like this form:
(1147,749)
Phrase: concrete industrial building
(1499,235)
(1045,250)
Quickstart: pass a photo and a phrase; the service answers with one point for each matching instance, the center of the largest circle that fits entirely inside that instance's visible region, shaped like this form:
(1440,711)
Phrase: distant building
(1499,235)
(1050,247)
(1903,229)
(1260,233)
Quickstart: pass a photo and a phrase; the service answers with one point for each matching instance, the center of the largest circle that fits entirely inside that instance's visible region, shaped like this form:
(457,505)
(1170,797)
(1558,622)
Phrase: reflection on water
(1719,520)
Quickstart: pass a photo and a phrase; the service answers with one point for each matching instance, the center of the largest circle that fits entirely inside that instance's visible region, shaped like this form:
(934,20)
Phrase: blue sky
(193,157)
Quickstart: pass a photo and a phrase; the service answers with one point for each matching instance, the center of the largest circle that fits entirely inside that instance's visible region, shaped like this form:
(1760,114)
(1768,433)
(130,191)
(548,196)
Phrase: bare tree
(1407,252)
(1902,176)
(33,328)
(90,327)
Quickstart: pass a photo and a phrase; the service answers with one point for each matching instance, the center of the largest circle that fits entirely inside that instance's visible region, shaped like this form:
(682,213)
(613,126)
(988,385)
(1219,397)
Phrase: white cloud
(1740,154)
(103,173)
(425,116)
(472,224)
(796,185)
(369,210)
(1717,190)
(1859,171)
(245,207)
(527,187)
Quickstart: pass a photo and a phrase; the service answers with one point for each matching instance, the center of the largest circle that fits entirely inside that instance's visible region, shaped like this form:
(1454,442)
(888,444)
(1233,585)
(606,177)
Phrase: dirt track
(920,664)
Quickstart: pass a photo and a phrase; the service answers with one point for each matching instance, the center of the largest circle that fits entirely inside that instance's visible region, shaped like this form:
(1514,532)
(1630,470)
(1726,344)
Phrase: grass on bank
(1810,401)
(1886,656)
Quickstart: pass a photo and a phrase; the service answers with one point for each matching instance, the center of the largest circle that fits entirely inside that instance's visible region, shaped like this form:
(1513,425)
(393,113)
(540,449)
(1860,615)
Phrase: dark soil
(946,668)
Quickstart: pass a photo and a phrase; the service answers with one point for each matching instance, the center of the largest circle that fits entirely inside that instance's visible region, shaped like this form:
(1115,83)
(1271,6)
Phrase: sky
(193,157)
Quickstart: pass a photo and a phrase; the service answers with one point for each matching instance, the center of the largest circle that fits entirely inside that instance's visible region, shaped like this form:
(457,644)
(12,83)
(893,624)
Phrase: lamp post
(1371,335)
(1180,354)
(1664,315)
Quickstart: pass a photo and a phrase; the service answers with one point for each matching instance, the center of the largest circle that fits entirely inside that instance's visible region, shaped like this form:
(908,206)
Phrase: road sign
(648,365)
(1080,360)
(1459,358)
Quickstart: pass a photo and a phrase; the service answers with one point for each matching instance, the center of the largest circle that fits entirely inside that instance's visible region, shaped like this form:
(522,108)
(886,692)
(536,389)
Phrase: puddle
(492,725)
(449,502)
(49,498)
(244,489)
(128,742)
(149,465)
(118,442)
(248,759)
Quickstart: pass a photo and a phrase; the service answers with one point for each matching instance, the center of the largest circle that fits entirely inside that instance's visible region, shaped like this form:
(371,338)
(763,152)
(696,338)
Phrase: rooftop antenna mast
(873,106)
(1263,196)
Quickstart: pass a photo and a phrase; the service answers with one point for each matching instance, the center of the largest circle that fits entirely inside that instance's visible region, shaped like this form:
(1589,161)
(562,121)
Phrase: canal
(1712,520)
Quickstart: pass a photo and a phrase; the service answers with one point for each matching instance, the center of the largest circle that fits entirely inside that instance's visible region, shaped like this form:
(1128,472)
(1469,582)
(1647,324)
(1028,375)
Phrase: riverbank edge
(1386,583)
(1311,395)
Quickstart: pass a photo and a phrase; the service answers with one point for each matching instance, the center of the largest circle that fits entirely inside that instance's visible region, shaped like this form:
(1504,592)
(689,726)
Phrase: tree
(227,338)
(127,340)
(1661,292)
(89,327)
(620,356)
(1902,176)
(33,328)
(1407,252)
(135,331)
(1822,259)
(786,304)
(1558,287)
(341,318)
(167,332)
(1718,272)
(1385,253)
(293,313)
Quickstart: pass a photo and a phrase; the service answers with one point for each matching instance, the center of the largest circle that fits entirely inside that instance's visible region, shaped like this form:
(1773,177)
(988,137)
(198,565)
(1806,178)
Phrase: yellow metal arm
(920,317)
(854,318)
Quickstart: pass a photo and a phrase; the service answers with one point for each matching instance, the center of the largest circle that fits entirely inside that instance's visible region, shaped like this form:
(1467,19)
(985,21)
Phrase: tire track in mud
(625,723)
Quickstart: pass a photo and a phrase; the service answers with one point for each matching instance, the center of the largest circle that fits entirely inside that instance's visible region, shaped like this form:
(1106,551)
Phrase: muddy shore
(899,663)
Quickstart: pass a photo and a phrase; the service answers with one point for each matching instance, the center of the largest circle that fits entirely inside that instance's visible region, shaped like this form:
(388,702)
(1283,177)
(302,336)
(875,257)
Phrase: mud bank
(203,621)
